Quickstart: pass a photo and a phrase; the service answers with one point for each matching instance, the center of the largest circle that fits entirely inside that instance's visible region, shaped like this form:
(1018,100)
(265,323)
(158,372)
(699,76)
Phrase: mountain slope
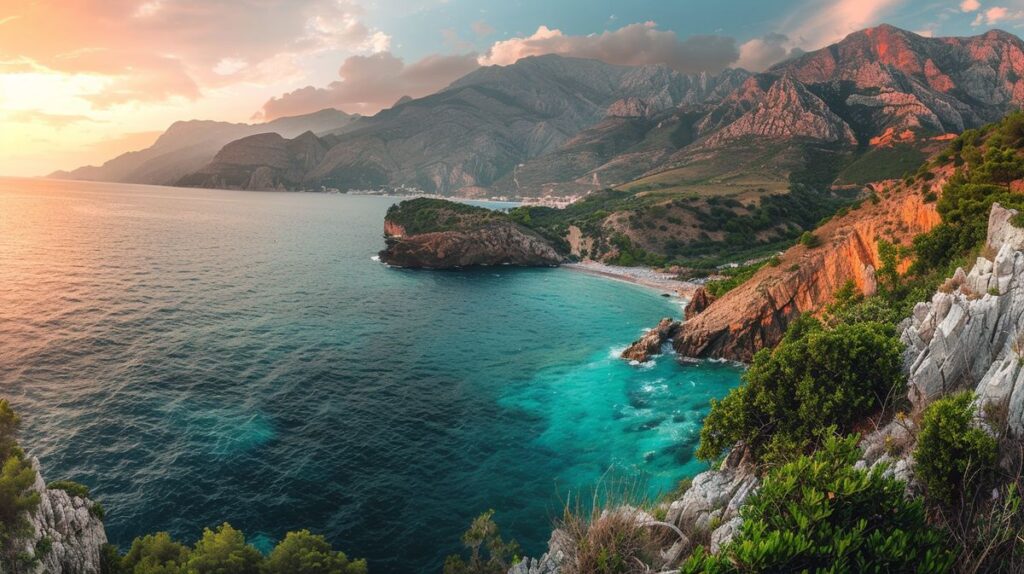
(187,146)
(262,162)
(853,93)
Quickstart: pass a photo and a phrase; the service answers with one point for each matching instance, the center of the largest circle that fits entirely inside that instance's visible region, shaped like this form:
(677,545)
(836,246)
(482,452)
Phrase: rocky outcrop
(788,111)
(708,510)
(971,334)
(701,300)
(70,527)
(755,315)
(650,344)
(262,162)
(497,243)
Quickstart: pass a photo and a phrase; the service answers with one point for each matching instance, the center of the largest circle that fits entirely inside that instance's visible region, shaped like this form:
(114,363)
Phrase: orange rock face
(755,315)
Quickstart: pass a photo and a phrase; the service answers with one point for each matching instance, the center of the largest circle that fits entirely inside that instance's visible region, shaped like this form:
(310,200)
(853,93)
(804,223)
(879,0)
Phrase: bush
(71,487)
(305,553)
(817,377)
(154,554)
(488,553)
(223,551)
(953,457)
(809,240)
(17,500)
(820,514)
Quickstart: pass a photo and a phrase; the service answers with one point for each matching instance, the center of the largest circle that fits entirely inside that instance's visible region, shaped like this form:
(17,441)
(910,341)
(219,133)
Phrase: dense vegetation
(225,551)
(425,215)
(820,514)
(818,376)
(741,231)
(17,499)
(488,552)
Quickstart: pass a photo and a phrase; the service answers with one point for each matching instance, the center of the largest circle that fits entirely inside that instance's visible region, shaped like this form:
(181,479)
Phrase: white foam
(375,258)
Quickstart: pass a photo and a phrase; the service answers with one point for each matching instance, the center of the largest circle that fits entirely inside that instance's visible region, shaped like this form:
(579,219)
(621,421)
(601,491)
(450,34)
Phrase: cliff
(755,315)
(73,528)
(437,234)
(969,336)
(261,162)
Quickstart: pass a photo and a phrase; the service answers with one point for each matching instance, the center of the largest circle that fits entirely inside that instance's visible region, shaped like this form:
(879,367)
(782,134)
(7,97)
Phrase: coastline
(663,283)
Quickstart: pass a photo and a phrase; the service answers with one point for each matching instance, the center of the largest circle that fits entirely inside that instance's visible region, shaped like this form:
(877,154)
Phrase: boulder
(652,341)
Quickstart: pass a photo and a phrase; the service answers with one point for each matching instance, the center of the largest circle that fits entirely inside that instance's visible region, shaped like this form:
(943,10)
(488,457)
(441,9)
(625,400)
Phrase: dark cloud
(370,83)
(635,44)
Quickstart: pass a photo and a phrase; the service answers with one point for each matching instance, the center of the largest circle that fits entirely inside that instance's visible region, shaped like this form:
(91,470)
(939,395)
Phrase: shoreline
(664,283)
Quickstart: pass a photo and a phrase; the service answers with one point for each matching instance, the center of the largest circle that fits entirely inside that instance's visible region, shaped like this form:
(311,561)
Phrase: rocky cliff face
(261,162)
(755,315)
(73,529)
(971,334)
(650,344)
(498,243)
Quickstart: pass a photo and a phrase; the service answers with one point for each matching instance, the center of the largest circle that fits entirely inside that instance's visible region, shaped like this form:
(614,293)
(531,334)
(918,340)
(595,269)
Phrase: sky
(84,80)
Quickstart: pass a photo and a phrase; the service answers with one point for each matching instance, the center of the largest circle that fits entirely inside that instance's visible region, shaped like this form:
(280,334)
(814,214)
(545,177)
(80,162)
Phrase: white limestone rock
(74,532)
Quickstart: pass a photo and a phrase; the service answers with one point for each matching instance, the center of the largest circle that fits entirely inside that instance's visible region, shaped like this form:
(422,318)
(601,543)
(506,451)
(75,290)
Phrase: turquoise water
(198,356)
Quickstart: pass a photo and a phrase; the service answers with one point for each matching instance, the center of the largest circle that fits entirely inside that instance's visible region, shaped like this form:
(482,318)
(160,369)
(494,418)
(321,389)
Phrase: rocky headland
(755,314)
(437,234)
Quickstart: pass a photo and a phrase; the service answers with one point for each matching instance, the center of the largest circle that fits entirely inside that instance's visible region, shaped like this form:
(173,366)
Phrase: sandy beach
(662,282)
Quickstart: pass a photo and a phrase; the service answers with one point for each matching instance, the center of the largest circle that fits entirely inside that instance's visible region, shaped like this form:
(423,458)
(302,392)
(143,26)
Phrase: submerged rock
(650,344)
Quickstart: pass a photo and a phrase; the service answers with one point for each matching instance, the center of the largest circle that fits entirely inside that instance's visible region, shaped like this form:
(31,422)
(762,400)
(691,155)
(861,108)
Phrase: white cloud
(969,5)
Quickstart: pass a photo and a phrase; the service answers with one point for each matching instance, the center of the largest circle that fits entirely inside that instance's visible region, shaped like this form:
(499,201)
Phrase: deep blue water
(202,356)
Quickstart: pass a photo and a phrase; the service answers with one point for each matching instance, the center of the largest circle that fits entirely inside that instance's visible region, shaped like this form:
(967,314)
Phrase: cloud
(995,15)
(53,120)
(813,29)
(368,84)
(761,53)
(159,49)
(482,29)
(969,5)
(635,44)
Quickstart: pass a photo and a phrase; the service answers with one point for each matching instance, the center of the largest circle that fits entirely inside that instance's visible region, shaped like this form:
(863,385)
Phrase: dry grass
(611,534)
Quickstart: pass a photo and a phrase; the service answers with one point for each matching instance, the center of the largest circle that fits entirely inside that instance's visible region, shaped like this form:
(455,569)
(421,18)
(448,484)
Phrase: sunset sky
(84,80)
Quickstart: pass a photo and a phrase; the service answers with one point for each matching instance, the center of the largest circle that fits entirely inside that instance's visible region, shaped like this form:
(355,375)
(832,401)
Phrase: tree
(953,457)
(305,553)
(17,499)
(224,551)
(815,378)
(820,514)
(488,553)
(156,554)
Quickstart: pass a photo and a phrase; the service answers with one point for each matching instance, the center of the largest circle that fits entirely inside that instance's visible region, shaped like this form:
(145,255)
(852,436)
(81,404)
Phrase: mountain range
(558,125)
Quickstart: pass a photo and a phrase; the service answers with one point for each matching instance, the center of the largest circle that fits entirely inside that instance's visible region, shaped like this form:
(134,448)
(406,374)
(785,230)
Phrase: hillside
(188,146)
(261,162)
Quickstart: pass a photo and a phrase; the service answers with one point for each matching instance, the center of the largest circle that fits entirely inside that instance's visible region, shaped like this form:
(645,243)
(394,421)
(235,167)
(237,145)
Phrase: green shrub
(818,376)
(17,500)
(223,551)
(111,561)
(71,487)
(305,553)
(155,554)
(820,514)
(953,458)
(488,553)
(809,240)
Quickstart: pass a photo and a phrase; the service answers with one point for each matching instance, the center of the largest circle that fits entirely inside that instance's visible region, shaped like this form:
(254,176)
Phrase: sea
(201,356)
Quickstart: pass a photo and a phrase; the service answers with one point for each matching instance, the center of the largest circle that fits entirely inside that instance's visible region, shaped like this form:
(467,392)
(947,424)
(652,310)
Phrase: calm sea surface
(199,356)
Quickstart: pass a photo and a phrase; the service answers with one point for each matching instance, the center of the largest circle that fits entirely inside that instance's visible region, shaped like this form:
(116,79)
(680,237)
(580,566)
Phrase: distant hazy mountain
(262,162)
(551,124)
(187,146)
